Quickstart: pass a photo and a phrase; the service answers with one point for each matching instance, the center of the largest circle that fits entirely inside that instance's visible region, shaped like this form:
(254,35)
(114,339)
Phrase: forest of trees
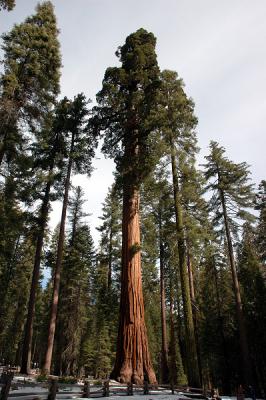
(187,242)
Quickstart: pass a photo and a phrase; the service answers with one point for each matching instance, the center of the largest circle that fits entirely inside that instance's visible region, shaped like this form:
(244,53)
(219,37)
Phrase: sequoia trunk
(133,362)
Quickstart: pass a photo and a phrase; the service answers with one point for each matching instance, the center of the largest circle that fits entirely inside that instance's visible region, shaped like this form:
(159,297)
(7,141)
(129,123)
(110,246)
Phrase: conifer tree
(80,151)
(125,113)
(231,196)
(155,213)
(74,294)
(48,154)
(177,127)
(110,243)
(260,205)
(254,298)
(30,81)
(13,228)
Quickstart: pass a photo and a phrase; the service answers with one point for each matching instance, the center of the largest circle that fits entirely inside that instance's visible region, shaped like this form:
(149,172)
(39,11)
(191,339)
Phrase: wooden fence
(52,389)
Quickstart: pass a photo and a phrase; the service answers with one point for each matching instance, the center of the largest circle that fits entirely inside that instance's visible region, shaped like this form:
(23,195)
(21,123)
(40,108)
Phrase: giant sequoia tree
(125,113)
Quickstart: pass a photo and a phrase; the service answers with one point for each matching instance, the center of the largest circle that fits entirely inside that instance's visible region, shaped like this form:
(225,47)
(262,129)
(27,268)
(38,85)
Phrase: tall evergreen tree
(74,294)
(125,113)
(254,298)
(260,205)
(231,196)
(80,151)
(30,81)
(177,127)
(48,153)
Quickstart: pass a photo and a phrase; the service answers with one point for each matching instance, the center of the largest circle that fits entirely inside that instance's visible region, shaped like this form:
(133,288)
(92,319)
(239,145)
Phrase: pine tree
(260,205)
(178,136)
(125,113)
(13,228)
(48,155)
(73,301)
(30,81)
(80,152)
(110,243)
(155,213)
(231,196)
(254,298)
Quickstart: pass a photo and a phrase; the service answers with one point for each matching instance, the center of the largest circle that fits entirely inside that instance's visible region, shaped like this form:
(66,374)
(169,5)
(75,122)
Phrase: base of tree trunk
(127,375)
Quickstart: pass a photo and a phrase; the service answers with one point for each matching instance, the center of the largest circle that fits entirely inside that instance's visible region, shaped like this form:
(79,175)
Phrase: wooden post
(86,389)
(52,389)
(172,385)
(130,389)
(146,388)
(6,379)
(106,390)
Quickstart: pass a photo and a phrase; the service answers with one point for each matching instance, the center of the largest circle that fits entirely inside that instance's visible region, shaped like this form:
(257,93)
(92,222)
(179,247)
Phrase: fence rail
(54,389)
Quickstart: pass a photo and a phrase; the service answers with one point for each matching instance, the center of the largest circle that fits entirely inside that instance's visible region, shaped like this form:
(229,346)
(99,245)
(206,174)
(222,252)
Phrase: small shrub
(41,378)
(67,379)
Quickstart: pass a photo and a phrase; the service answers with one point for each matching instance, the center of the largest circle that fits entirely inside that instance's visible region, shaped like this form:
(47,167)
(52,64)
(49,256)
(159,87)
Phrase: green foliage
(7,5)
(67,379)
(77,274)
(231,179)
(126,106)
(260,205)
(30,81)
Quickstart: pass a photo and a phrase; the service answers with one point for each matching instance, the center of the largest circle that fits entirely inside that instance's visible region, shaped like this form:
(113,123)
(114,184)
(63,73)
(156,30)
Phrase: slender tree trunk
(57,272)
(133,362)
(164,347)
(194,308)
(27,343)
(110,250)
(2,152)
(246,364)
(172,347)
(226,380)
(191,348)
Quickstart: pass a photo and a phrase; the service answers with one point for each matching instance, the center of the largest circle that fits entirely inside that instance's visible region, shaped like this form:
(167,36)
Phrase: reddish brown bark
(133,363)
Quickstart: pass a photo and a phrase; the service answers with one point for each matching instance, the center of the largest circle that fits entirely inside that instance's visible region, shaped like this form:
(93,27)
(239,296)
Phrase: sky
(217,47)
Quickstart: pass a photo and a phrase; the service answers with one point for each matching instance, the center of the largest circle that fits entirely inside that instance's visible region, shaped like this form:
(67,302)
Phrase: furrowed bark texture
(191,348)
(133,362)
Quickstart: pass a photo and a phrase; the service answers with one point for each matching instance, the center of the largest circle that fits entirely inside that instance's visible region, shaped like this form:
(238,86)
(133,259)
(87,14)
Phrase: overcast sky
(217,47)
